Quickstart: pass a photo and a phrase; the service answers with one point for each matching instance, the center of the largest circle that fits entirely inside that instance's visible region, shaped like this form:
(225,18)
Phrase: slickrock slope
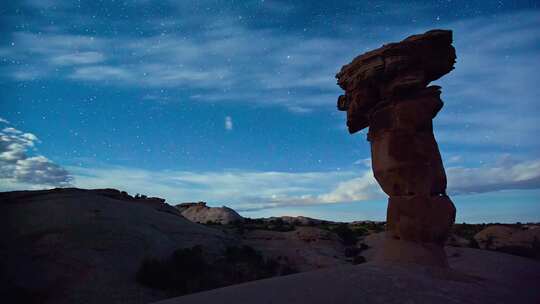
(524,242)
(305,249)
(474,277)
(201,213)
(85,246)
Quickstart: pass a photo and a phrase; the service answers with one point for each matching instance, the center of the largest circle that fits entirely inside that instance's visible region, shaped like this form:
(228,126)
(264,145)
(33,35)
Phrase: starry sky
(233,102)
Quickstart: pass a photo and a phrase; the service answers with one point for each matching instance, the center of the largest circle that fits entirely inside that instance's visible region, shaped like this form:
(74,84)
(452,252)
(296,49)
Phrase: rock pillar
(387,90)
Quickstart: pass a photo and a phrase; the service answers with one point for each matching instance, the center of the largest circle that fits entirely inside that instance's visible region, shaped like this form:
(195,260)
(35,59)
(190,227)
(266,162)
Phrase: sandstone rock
(510,239)
(85,246)
(305,249)
(201,213)
(387,91)
(475,277)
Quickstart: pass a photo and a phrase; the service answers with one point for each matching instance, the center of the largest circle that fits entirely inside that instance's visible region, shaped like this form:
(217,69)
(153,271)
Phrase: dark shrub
(358,260)
(183,272)
(348,236)
(187,271)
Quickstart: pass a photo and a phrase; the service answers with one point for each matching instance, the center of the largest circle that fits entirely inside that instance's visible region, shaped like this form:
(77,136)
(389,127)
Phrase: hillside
(85,246)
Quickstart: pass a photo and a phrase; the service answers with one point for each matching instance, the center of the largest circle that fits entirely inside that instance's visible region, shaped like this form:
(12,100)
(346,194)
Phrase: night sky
(234,102)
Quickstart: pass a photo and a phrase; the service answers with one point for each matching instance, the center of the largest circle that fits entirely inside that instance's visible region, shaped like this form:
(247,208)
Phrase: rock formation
(200,213)
(85,246)
(387,90)
(524,241)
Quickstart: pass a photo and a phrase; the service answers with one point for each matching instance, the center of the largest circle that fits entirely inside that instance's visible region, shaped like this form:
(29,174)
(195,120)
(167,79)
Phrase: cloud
(236,188)
(258,190)
(228,123)
(78,58)
(103,73)
(503,175)
(19,170)
(225,59)
(490,98)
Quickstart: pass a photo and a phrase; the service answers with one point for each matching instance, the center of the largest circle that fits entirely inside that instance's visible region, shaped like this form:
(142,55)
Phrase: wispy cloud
(243,190)
(506,174)
(255,190)
(227,60)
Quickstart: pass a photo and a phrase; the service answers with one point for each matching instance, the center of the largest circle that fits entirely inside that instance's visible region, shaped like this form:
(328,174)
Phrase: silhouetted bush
(187,271)
(260,224)
(183,272)
(358,260)
(468,231)
(348,236)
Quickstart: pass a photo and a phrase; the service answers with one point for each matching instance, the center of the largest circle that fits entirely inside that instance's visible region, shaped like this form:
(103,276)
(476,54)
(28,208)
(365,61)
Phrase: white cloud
(507,174)
(256,190)
(78,58)
(18,170)
(228,123)
(103,73)
(238,189)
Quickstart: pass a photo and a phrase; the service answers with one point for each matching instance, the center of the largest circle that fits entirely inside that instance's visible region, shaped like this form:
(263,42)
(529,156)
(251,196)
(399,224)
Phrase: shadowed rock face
(85,246)
(387,91)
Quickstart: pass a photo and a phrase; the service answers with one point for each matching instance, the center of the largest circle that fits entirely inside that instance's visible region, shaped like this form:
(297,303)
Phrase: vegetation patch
(187,270)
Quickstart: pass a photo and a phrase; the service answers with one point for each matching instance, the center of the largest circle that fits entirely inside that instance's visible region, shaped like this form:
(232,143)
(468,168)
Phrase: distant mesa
(199,212)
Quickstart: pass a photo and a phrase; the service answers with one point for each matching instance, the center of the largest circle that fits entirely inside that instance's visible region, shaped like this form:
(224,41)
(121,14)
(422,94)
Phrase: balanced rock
(387,90)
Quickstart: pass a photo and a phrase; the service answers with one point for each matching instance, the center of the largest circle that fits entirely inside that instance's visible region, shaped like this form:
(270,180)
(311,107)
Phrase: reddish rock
(387,91)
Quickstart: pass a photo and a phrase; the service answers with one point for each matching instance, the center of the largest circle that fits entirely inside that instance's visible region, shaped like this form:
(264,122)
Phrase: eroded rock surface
(304,249)
(525,242)
(387,90)
(200,213)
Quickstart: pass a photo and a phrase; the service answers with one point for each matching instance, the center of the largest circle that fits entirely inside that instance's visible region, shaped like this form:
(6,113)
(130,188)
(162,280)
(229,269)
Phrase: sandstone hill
(200,213)
(524,241)
(85,246)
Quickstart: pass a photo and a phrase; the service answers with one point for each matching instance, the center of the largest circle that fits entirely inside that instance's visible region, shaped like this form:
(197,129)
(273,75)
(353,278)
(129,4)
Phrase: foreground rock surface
(85,246)
(304,249)
(475,276)
(200,213)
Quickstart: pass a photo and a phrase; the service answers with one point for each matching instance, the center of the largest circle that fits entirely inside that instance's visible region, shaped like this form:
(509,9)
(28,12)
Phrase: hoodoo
(387,90)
